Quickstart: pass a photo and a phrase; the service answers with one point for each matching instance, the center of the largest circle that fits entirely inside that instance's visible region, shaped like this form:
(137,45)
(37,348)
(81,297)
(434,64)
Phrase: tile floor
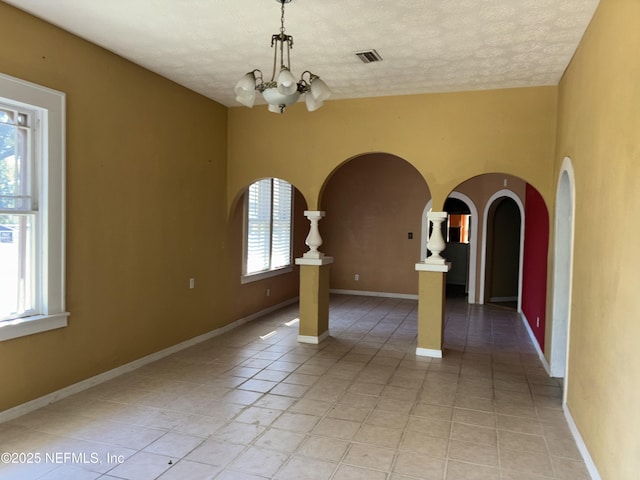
(359,406)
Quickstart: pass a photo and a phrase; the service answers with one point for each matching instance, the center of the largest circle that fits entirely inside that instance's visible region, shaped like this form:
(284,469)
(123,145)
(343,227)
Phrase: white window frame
(253,277)
(50,256)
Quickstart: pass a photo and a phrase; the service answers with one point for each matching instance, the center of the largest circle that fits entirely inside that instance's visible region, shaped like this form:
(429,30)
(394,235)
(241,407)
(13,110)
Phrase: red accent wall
(534,268)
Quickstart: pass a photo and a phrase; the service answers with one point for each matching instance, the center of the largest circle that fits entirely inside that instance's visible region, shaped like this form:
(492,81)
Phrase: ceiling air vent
(369,56)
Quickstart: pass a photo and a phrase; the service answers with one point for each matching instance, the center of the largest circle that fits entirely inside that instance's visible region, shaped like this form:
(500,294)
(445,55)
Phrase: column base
(311,339)
(428,352)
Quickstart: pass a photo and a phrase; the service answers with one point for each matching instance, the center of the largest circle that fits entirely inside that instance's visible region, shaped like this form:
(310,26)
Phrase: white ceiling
(426,45)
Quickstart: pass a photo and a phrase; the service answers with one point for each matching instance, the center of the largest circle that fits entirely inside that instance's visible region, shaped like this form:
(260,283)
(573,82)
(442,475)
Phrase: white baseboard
(428,352)
(364,293)
(582,447)
(534,340)
(45,400)
(311,339)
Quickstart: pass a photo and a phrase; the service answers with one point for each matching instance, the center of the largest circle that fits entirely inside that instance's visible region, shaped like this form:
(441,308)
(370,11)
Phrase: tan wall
(448,138)
(372,203)
(146,196)
(599,129)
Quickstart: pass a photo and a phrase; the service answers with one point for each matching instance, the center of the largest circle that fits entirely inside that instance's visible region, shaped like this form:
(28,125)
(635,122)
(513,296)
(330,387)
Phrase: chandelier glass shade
(283,89)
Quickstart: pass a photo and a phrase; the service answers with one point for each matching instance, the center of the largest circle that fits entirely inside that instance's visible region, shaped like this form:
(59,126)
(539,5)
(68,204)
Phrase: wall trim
(582,447)
(78,387)
(534,340)
(428,352)
(364,293)
(312,339)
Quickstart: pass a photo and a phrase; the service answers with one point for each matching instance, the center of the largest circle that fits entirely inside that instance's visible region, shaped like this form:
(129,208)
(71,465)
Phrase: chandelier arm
(282,90)
(274,40)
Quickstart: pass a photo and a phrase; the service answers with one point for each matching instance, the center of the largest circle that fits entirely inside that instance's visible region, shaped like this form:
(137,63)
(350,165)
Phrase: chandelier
(282,90)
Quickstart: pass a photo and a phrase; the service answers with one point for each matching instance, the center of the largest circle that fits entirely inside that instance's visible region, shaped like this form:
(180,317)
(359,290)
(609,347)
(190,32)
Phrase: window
(458,228)
(31,209)
(268,222)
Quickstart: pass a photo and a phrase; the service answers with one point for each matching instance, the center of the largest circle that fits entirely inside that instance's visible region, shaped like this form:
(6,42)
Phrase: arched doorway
(563,260)
(373,204)
(501,277)
(472,239)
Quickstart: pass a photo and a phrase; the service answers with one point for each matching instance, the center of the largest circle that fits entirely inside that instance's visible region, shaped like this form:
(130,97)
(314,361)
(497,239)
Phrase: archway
(563,260)
(472,240)
(512,261)
(373,204)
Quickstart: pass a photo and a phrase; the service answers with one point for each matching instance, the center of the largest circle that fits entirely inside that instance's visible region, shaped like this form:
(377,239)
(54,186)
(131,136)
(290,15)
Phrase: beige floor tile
(380,436)
(366,388)
(563,447)
(296,422)
(258,416)
(397,405)
(253,385)
(290,390)
(474,417)
(142,466)
(271,375)
(346,412)
(385,418)
(174,445)
(241,433)
(421,442)
(284,406)
(474,434)
(259,461)
(419,466)
(337,428)
(323,448)
(302,468)
(475,403)
(348,472)
(68,472)
(511,475)
(466,471)
(282,440)
(431,426)
(186,469)
(433,411)
(473,453)
(297,378)
(519,424)
(367,456)
(526,462)
(310,407)
(215,452)
(567,469)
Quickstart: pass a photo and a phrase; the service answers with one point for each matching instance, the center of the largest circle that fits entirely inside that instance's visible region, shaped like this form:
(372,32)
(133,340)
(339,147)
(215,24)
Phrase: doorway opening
(503,252)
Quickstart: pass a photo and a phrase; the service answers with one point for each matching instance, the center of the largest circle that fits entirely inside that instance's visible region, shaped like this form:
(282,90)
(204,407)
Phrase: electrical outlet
(537,322)
(192,283)
(356,277)
(268,292)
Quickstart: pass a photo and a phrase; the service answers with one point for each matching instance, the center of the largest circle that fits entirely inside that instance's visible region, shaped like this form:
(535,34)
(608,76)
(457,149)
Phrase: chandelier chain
(282,17)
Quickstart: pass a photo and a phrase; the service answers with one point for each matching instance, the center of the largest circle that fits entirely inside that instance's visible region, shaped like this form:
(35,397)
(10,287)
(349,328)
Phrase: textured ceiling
(426,45)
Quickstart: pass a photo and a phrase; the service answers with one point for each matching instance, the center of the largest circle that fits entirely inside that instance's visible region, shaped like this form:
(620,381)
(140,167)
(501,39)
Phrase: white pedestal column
(314,240)
(436,242)
(431,291)
(314,285)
